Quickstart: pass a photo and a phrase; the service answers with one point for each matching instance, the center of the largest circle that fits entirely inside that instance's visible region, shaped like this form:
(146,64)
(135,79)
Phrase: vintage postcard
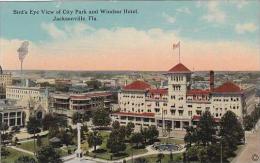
(130,81)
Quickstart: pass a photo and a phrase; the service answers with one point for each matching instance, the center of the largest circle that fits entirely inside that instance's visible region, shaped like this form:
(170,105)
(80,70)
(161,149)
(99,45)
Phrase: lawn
(45,141)
(13,155)
(166,158)
(30,144)
(171,140)
(104,153)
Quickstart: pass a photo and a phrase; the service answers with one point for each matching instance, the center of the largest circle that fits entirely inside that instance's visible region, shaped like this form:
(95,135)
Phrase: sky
(213,35)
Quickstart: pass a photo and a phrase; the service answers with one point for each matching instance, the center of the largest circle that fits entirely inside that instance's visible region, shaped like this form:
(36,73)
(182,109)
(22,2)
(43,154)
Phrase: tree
(101,116)
(169,129)
(153,133)
(5,135)
(65,137)
(231,130)
(145,133)
(191,136)
(137,138)
(48,154)
(248,122)
(39,141)
(129,129)
(94,139)
(4,151)
(160,156)
(54,121)
(140,160)
(115,125)
(33,127)
(76,118)
(206,128)
(116,142)
(25,159)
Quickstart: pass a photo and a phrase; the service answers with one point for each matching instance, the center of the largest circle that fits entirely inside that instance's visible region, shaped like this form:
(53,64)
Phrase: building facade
(5,80)
(34,99)
(178,105)
(67,104)
(11,114)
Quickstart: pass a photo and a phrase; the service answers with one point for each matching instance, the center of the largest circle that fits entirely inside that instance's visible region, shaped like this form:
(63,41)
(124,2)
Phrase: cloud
(128,49)
(52,30)
(168,18)
(184,10)
(214,13)
(246,27)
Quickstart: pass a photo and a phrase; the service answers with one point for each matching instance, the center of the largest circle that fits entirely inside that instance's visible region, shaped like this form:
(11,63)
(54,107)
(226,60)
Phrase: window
(157,110)
(190,113)
(180,112)
(138,119)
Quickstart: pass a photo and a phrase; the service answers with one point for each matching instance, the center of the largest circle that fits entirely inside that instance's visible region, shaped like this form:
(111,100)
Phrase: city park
(94,137)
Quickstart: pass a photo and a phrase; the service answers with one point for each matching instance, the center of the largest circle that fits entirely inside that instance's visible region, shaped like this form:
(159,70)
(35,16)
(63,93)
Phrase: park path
(22,150)
(150,151)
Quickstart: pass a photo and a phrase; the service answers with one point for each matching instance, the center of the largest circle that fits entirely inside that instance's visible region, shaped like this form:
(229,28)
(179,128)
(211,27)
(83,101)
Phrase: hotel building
(178,105)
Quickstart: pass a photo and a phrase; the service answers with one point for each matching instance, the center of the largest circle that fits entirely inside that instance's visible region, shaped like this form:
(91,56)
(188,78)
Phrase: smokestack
(211,80)
(22,52)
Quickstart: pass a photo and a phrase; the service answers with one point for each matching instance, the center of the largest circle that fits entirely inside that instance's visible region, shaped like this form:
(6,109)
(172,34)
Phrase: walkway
(21,150)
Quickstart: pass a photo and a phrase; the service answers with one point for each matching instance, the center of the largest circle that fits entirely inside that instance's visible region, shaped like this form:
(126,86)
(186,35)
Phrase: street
(251,152)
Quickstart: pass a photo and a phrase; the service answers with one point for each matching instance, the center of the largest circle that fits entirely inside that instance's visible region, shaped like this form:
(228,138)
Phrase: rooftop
(158,91)
(198,92)
(179,68)
(228,87)
(137,85)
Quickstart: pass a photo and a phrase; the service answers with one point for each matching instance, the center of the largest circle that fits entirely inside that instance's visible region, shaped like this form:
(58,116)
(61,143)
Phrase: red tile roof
(228,87)
(179,68)
(158,91)
(138,85)
(145,114)
(198,92)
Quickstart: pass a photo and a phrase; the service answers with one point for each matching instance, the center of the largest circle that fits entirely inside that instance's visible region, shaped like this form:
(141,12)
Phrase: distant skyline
(214,35)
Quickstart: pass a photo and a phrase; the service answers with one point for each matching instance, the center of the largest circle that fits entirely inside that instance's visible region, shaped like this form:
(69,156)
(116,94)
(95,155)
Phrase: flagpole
(179,52)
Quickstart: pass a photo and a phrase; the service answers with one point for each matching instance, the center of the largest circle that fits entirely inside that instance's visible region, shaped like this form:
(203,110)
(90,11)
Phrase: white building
(5,80)
(178,105)
(11,114)
(35,99)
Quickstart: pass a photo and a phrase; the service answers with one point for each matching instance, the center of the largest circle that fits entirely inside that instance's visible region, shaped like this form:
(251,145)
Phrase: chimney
(211,80)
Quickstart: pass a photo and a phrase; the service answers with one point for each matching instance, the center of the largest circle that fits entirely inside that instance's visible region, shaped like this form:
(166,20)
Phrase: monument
(79,151)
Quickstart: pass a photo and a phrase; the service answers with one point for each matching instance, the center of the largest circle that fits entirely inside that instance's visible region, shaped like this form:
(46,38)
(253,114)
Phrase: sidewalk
(21,150)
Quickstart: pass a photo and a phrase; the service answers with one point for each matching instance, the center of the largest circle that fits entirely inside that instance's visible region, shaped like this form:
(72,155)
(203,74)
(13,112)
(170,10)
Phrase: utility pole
(221,160)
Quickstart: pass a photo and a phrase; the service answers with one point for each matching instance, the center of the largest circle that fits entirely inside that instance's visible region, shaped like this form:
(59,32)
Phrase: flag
(176,45)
